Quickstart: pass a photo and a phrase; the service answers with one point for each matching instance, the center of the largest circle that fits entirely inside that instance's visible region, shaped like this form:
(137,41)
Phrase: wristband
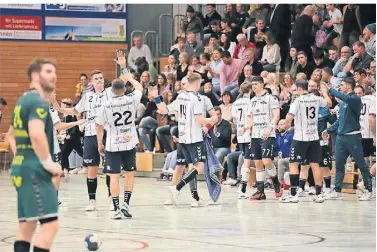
(208,126)
(157,100)
(48,163)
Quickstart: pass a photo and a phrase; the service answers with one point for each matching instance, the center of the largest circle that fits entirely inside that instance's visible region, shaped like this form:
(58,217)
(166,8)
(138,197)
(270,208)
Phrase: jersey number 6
(127,115)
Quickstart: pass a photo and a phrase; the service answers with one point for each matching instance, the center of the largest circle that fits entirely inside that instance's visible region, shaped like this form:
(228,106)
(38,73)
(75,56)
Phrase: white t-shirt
(261,108)
(118,116)
(335,16)
(207,105)
(90,103)
(305,109)
(239,113)
(188,105)
(55,120)
(368,108)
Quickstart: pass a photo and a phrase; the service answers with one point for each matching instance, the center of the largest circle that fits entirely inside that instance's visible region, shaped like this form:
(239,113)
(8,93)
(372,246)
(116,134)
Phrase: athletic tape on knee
(260,175)
(245,174)
(271,171)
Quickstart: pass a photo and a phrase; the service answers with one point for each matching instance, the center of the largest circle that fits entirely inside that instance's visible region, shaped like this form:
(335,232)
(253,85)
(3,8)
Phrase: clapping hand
(153,91)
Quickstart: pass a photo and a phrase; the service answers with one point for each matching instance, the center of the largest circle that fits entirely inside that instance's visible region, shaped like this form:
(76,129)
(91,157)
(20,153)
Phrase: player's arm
(325,94)
(128,77)
(100,123)
(351,100)
(65,126)
(12,140)
(293,109)
(38,138)
(67,111)
(161,106)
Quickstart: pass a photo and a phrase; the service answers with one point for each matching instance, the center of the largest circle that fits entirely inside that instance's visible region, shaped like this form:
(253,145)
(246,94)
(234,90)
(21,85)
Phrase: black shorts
(57,158)
(180,156)
(260,148)
(91,155)
(114,160)
(193,153)
(368,147)
(245,148)
(326,159)
(301,151)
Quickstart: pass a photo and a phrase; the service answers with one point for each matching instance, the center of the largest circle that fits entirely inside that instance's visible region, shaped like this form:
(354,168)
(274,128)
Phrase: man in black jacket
(221,134)
(303,65)
(211,15)
(302,36)
(321,61)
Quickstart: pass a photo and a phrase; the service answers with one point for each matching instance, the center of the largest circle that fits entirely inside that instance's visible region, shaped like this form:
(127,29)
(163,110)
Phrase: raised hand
(121,59)
(153,91)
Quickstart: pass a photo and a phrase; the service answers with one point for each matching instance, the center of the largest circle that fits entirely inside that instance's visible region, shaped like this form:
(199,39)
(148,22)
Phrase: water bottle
(349,164)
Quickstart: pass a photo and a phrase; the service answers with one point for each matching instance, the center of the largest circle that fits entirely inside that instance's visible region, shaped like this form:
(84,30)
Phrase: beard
(281,130)
(46,86)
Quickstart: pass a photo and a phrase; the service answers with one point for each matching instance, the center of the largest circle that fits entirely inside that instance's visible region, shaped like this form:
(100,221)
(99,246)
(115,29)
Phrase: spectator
(215,29)
(271,54)
(198,68)
(205,61)
(360,59)
(302,36)
(292,62)
(182,68)
(283,142)
(83,87)
(363,80)
(3,103)
(228,12)
(213,44)
(162,85)
(372,71)
(221,134)
(192,24)
(171,67)
(321,11)
(272,85)
(145,80)
(214,70)
(163,132)
(369,39)
(170,78)
(303,65)
(230,69)
(226,44)
(327,77)
(256,66)
(301,76)
(247,74)
(139,50)
(143,65)
(338,69)
(226,106)
(259,13)
(148,125)
(316,76)
(351,25)
(336,22)
(178,48)
(288,88)
(208,91)
(320,60)
(192,46)
(243,44)
(280,27)
(333,54)
(257,36)
(241,17)
(212,15)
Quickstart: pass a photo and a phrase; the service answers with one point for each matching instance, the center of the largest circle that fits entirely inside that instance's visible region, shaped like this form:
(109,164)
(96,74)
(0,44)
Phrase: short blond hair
(301,76)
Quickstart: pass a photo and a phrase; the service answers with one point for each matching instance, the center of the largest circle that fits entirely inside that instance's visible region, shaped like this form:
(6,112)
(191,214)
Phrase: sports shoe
(111,204)
(91,206)
(230,182)
(84,170)
(168,202)
(117,215)
(319,199)
(198,203)
(268,186)
(300,193)
(366,196)
(213,203)
(326,191)
(239,189)
(258,196)
(360,189)
(312,190)
(174,193)
(62,204)
(289,199)
(126,210)
(75,171)
(242,195)
(333,196)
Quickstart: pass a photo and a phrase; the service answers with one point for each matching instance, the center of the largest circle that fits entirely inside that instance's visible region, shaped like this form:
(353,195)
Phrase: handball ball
(92,242)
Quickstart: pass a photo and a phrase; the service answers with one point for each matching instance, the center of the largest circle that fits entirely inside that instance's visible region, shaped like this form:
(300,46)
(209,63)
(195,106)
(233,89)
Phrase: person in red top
(243,44)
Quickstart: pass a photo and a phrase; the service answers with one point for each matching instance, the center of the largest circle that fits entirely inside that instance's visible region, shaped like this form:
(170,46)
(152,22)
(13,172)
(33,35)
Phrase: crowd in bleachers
(320,43)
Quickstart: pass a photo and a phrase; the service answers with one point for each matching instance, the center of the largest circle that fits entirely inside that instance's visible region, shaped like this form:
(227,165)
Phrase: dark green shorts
(36,195)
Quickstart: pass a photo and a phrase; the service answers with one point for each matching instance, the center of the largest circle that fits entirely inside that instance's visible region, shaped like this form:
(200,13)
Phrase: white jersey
(239,113)
(118,115)
(90,103)
(368,107)
(55,119)
(187,106)
(305,109)
(207,105)
(261,108)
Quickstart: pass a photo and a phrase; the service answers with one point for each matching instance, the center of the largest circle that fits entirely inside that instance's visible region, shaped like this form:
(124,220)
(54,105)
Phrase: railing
(166,31)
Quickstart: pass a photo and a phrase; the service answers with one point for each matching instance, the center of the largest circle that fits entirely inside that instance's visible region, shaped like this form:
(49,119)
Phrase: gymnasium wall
(72,60)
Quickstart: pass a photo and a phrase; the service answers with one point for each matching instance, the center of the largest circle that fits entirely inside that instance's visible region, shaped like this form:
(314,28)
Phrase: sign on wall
(21,27)
(85,29)
(87,7)
(22,6)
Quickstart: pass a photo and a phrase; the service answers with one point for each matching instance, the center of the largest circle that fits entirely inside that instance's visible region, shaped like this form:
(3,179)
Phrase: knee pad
(245,174)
